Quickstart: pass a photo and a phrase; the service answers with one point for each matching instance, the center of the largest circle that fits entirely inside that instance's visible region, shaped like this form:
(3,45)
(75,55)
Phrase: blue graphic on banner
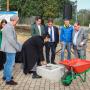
(7,14)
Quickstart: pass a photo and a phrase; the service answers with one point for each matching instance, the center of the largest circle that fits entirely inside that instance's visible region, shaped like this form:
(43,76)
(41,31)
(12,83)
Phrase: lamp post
(7,5)
(0,5)
(76,11)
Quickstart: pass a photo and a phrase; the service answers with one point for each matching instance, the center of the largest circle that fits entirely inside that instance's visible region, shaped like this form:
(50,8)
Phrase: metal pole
(7,5)
(83,19)
(0,5)
(76,10)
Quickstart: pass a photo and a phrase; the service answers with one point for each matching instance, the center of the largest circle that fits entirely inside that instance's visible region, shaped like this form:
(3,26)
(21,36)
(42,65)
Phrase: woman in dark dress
(2,54)
(29,53)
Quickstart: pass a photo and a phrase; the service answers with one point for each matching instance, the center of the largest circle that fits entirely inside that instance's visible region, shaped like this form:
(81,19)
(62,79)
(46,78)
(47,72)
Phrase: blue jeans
(8,66)
(67,46)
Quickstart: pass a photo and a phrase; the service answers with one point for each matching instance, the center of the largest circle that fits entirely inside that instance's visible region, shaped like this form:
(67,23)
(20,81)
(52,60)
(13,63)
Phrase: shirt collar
(66,26)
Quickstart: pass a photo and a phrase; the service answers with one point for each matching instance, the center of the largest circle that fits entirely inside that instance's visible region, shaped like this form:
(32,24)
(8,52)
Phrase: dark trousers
(18,57)
(38,59)
(2,59)
(52,46)
(79,53)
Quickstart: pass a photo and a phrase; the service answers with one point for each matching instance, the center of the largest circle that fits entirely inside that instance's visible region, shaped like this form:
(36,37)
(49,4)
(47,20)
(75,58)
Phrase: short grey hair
(14,17)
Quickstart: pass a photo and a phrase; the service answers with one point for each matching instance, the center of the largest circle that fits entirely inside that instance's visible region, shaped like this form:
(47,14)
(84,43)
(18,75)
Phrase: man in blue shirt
(66,38)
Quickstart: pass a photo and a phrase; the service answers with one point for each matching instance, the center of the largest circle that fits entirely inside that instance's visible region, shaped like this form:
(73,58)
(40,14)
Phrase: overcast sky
(83,4)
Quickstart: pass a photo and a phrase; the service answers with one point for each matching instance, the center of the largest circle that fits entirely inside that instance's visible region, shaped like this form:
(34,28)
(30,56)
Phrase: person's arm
(41,53)
(40,48)
(57,33)
(46,30)
(61,34)
(85,37)
(43,29)
(42,61)
(33,30)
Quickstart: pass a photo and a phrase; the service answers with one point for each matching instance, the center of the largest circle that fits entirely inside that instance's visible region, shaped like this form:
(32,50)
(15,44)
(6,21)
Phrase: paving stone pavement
(25,82)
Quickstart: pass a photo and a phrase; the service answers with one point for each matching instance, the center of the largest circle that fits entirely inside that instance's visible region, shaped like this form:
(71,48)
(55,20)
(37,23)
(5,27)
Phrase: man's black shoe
(39,64)
(4,78)
(53,63)
(36,76)
(30,72)
(11,82)
(25,72)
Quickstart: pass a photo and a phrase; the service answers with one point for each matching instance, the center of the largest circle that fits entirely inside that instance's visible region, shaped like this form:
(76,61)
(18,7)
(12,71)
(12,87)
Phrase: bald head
(14,19)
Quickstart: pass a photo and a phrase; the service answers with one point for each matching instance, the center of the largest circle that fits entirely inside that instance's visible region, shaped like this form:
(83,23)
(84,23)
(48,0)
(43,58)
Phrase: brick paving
(25,82)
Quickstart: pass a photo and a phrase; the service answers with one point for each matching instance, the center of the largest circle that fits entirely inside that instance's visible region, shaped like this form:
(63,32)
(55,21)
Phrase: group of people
(73,36)
(68,35)
(44,40)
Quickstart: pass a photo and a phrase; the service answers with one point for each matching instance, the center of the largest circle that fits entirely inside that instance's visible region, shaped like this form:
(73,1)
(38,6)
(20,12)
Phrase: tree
(84,17)
(44,8)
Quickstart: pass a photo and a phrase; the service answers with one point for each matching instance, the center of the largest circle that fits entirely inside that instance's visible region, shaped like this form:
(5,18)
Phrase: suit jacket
(35,30)
(82,37)
(56,33)
(9,39)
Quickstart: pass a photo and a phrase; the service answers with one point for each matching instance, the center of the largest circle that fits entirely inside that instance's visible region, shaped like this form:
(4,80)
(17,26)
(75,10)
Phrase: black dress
(2,54)
(32,49)
(2,59)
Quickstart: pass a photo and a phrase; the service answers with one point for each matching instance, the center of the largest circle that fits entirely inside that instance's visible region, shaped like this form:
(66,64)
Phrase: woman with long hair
(2,54)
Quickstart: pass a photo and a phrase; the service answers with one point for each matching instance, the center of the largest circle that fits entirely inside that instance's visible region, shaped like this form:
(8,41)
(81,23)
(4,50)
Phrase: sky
(83,4)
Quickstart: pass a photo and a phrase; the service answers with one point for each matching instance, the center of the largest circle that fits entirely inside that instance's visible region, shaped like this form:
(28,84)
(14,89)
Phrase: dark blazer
(56,33)
(30,50)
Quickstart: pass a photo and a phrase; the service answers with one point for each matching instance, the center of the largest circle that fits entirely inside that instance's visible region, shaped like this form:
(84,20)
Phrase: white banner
(7,14)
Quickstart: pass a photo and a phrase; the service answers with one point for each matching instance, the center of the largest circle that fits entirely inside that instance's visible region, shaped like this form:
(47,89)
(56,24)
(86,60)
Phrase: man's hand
(43,62)
(61,44)
(81,44)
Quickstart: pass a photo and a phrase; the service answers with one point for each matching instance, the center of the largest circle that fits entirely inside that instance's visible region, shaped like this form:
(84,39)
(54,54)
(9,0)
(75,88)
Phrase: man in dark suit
(52,44)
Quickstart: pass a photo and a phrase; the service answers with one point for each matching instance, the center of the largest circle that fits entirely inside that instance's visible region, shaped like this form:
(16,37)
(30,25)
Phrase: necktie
(51,34)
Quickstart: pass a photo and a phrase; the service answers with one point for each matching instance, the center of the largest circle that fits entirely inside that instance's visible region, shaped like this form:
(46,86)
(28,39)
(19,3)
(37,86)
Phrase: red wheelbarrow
(75,67)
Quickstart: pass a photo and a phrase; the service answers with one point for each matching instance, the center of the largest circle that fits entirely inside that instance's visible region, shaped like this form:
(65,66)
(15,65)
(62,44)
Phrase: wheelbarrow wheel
(67,78)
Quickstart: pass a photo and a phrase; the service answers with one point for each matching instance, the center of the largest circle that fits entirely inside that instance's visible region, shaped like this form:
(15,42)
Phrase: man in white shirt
(80,38)
(52,44)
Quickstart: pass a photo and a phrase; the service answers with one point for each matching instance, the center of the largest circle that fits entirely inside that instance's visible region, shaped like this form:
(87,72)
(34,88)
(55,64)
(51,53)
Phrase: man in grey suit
(37,28)
(10,46)
(80,38)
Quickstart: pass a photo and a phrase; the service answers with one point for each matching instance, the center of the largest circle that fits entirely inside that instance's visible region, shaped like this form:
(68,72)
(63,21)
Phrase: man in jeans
(10,46)
(66,38)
